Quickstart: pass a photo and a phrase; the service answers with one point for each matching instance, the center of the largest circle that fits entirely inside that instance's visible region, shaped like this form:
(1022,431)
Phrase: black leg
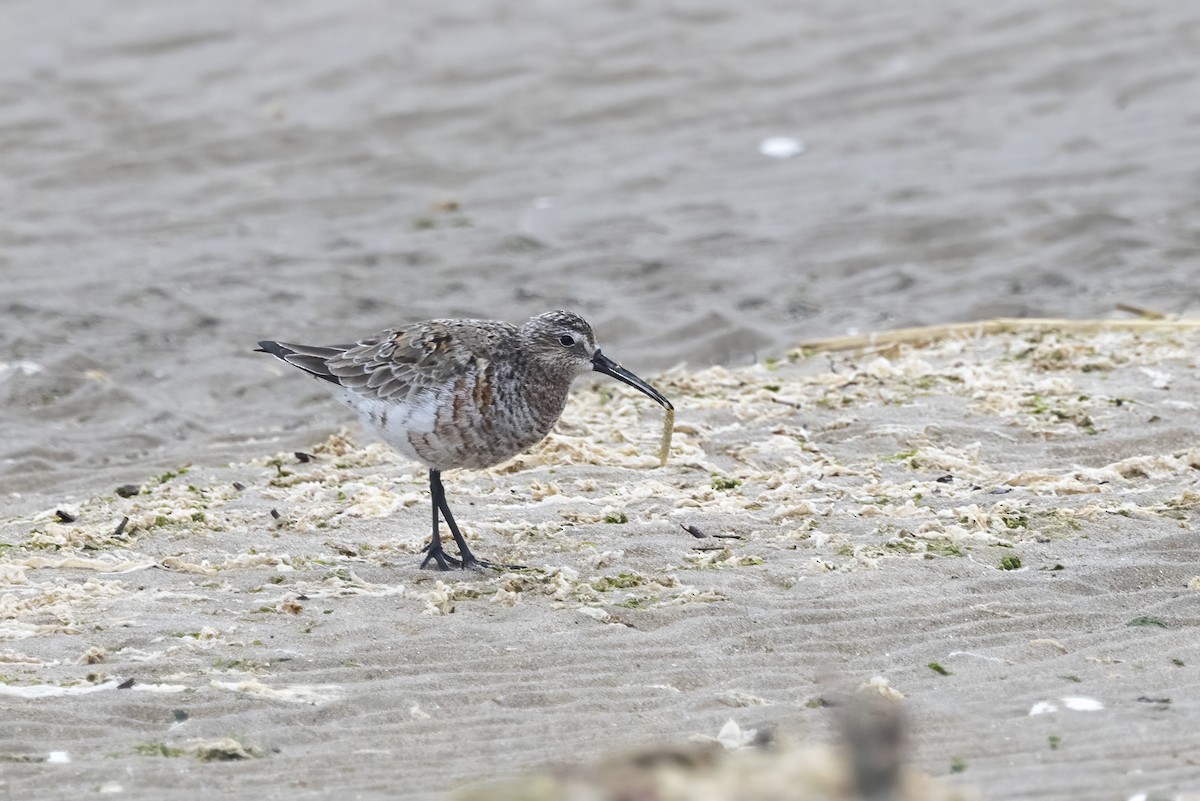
(439,500)
(434,552)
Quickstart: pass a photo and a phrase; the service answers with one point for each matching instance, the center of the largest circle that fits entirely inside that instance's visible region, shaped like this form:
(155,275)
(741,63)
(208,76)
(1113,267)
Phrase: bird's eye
(566,340)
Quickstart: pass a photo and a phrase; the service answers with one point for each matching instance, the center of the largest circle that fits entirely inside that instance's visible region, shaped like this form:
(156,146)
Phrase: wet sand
(179,184)
(997,532)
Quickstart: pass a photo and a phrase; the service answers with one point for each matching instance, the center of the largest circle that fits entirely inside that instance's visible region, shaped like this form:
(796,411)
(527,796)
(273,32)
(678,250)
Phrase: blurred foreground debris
(867,766)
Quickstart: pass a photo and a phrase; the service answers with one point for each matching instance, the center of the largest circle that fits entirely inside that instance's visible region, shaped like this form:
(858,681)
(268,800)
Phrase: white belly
(394,423)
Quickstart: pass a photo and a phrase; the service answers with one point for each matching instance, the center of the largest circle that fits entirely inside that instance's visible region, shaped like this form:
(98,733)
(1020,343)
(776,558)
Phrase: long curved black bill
(603,364)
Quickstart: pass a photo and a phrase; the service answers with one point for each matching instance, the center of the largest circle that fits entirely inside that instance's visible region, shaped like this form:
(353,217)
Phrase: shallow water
(180,183)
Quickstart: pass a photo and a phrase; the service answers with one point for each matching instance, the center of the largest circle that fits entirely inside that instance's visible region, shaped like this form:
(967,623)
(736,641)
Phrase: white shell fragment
(1080,704)
(1074,703)
(733,736)
(53,690)
(295,694)
(25,368)
(781,147)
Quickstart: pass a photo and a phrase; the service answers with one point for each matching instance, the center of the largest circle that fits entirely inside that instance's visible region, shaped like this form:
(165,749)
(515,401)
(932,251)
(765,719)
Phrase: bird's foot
(444,561)
(441,559)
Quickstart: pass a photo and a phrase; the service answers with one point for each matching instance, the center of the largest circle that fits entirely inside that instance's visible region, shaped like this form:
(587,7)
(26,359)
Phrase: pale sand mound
(858,514)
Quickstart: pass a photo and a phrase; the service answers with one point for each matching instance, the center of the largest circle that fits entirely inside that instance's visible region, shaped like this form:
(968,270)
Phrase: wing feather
(403,364)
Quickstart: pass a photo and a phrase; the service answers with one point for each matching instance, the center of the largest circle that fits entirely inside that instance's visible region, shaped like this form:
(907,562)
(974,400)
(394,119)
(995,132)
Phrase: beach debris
(732,736)
(605,558)
(65,517)
(1144,313)
(1073,702)
(773,769)
(93,656)
(937,668)
(126,685)
(693,595)
(740,698)
(505,597)
(719,556)
(700,534)
(303,458)
(34,691)
(226,749)
(314,694)
(604,616)
(1160,379)
(58,758)
(880,687)
(1019,328)
(621,581)
(158,749)
(720,482)
(292,607)
(342,548)
(439,600)
(128,490)
(120,529)
(1080,704)
(241,561)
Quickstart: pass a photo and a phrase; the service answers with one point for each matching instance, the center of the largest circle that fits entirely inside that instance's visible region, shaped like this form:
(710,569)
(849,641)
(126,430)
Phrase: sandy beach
(991,529)
(995,532)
